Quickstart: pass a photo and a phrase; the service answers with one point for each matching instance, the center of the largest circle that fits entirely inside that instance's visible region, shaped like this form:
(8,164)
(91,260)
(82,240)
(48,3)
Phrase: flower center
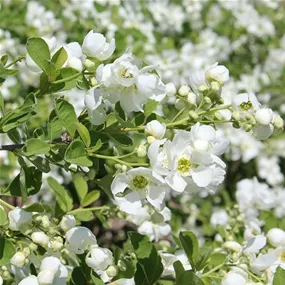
(126,73)
(282,256)
(184,165)
(140,182)
(246,105)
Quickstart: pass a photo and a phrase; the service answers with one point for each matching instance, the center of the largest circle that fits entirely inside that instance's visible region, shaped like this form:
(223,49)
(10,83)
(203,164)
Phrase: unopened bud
(218,116)
(278,122)
(89,63)
(207,100)
(122,265)
(33,246)
(184,90)
(18,259)
(170,89)
(94,82)
(203,88)
(92,174)
(26,251)
(236,116)
(247,127)
(124,168)
(236,125)
(112,271)
(141,151)
(150,139)
(179,104)
(45,222)
(215,86)
(193,115)
(232,245)
(191,98)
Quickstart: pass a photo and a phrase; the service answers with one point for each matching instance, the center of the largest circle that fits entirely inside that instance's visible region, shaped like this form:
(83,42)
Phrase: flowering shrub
(129,155)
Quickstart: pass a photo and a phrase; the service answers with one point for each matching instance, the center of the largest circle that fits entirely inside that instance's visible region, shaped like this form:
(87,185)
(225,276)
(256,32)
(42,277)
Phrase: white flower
(99,259)
(245,103)
(276,237)
(217,73)
(67,222)
(189,160)
(184,90)
(123,81)
(79,239)
(154,231)
(219,217)
(182,257)
(143,186)
(19,219)
(75,56)
(155,129)
(46,277)
(40,238)
(264,116)
(233,278)
(170,89)
(263,261)
(18,259)
(232,245)
(30,280)
(255,244)
(1,280)
(167,260)
(95,107)
(95,45)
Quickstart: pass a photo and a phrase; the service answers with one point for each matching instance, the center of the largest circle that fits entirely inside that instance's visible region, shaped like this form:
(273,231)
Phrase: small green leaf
(35,146)
(4,59)
(80,186)
(4,72)
(51,71)
(35,207)
(7,250)
(38,50)
(59,58)
(41,163)
(122,139)
(75,154)
(279,276)
(90,198)
(65,112)
(54,126)
(203,257)
(3,216)
(96,147)
(149,107)
(62,197)
(190,245)
(84,134)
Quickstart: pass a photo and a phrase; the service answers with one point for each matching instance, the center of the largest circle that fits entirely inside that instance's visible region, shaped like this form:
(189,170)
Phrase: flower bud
(67,222)
(193,115)
(170,89)
(218,73)
(30,280)
(18,259)
(278,122)
(46,277)
(232,245)
(191,98)
(141,151)
(264,116)
(1,280)
(40,238)
(112,271)
(33,247)
(150,139)
(155,129)
(184,90)
(26,251)
(215,86)
(236,116)
(247,127)
(207,100)
(276,237)
(94,82)
(89,63)
(56,245)
(203,88)
(45,222)
(122,265)
(179,104)
(124,168)
(99,258)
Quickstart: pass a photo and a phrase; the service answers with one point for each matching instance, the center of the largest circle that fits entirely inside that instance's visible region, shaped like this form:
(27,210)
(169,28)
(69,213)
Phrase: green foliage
(279,276)
(35,146)
(7,250)
(3,216)
(149,266)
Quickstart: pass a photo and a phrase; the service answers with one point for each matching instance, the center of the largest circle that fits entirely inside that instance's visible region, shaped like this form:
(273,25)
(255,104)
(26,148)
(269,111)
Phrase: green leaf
(35,146)
(96,147)
(75,154)
(190,245)
(54,126)
(38,50)
(3,216)
(149,266)
(122,139)
(4,59)
(62,197)
(84,134)
(35,207)
(41,163)
(7,250)
(189,278)
(85,216)
(4,72)
(179,271)
(90,198)
(203,257)
(149,107)
(105,184)
(65,112)
(80,185)
(279,276)
(67,72)
(51,71)
(96,279)
(59,58)
(78,276)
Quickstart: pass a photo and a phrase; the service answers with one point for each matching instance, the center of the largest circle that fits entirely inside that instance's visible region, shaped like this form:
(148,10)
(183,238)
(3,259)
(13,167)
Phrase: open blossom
(190,159)
(96,46)
(19,219)
(123,81)
(79,239)
(143,186)
(96,109)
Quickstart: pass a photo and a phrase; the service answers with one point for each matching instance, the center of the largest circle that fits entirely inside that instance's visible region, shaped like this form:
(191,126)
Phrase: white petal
(119,184)
(202,176)
(176,182)
(155,196)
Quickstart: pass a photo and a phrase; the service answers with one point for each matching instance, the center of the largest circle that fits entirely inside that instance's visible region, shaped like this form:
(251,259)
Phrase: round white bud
(170,89)
(276,237)
(40,238)
(155,129)
(67,222)
(184,90)
(264,116)
(18,259)
(141,151)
